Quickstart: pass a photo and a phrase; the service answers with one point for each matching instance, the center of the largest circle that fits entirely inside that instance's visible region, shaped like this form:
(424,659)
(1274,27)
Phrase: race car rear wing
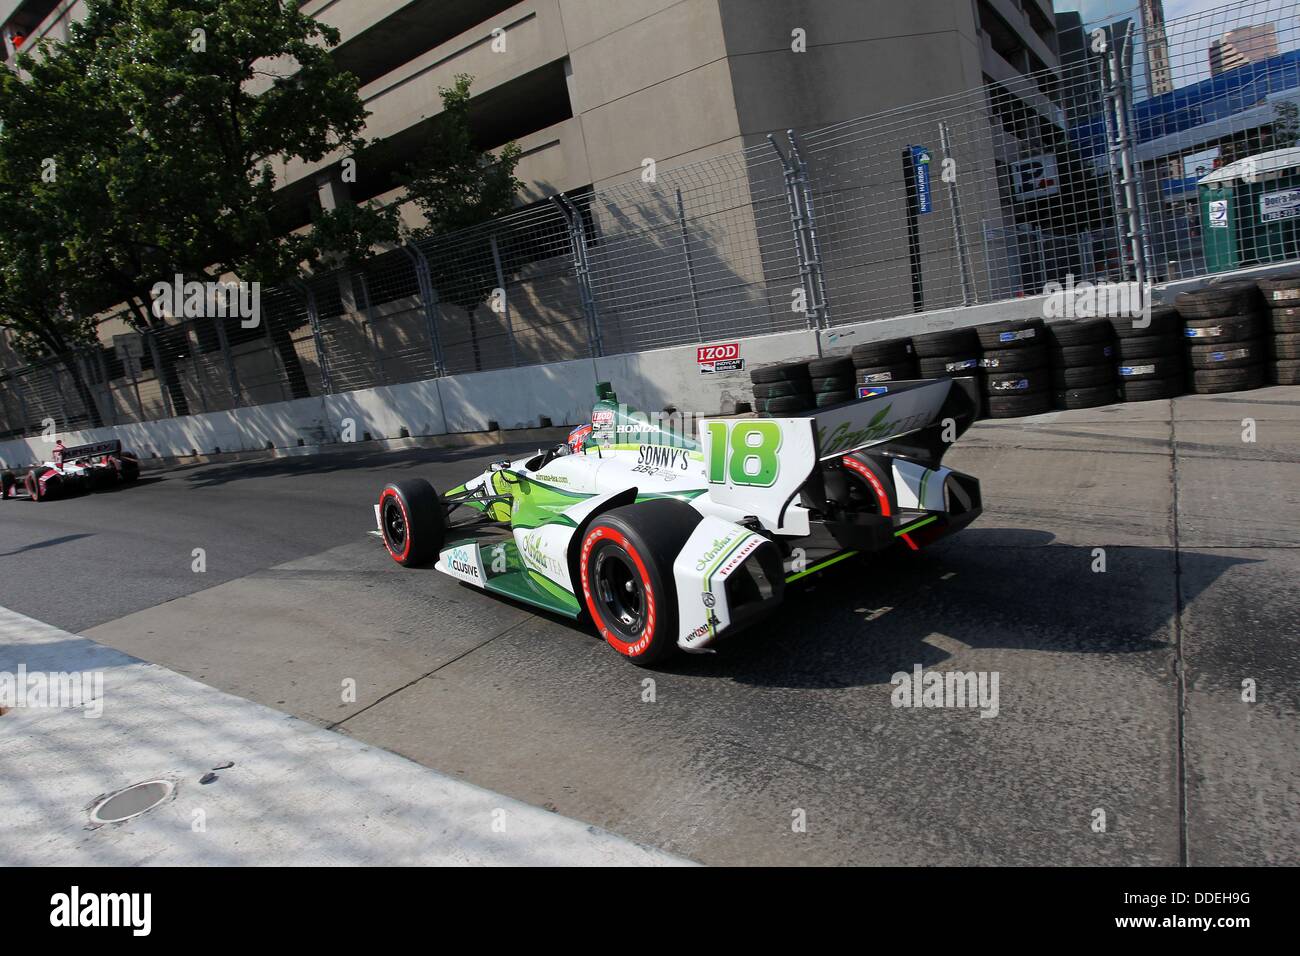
(758,465)
(80,452)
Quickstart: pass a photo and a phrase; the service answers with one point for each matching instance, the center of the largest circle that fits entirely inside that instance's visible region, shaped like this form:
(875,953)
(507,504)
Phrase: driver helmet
(579,437)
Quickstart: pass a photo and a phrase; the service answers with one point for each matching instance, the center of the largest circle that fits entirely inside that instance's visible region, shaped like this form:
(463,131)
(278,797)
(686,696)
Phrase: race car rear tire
(413,521)
(7,484)
(128,469)
(625,571)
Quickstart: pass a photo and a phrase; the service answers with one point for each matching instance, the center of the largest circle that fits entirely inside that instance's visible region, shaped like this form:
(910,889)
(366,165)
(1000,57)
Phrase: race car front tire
(7,484)
(413,521)
(34,490)
(625,570)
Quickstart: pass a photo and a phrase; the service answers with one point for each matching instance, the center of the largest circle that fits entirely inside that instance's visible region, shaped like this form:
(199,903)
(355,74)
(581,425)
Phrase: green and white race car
(669,540)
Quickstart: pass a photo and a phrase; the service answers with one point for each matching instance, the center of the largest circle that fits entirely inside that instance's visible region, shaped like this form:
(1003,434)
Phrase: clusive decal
(464,562)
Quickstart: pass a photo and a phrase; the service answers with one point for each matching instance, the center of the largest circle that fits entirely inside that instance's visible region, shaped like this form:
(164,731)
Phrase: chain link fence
(1144,157)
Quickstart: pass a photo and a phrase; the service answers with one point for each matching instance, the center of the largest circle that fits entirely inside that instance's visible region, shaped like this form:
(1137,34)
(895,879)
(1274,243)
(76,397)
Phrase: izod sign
(719,358)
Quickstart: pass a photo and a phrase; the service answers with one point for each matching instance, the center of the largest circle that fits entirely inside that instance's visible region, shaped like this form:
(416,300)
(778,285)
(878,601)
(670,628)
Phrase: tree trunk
(69,362)
(296,375)
(166,373)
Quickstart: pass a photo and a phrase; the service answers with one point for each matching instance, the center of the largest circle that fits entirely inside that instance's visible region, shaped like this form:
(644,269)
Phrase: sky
(1190,40)
(1094,10)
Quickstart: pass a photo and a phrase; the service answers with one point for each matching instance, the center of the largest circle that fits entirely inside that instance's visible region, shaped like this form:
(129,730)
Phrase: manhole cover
(131,802)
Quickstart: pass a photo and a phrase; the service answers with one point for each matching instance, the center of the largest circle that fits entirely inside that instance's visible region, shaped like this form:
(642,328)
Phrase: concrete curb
(292,795)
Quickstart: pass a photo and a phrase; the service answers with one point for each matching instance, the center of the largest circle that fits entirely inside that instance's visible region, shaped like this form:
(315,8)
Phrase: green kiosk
(1250,211)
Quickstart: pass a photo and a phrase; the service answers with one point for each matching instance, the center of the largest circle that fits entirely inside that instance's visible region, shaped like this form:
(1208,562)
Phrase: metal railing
(1106,169)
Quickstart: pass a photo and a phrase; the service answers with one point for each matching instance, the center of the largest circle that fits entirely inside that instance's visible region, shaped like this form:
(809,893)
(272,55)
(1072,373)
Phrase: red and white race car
(73,471)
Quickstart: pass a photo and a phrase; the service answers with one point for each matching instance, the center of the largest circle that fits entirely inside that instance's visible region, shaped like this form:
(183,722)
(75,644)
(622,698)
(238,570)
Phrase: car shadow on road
(867,619)
(47,543)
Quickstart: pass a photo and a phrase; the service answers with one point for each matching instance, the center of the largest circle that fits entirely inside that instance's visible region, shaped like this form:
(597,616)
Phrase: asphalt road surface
(1133,574)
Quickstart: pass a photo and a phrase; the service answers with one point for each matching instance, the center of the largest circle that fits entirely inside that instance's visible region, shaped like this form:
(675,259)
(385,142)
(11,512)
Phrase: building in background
(1159,77)
(1241,46)
(591,88)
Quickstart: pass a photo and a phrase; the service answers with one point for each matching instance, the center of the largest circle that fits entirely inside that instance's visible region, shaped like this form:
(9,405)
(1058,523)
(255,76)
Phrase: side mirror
(499,465)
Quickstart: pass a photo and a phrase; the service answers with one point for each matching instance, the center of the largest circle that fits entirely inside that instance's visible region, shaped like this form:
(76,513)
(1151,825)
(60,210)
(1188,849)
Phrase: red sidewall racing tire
(412,521)
(645,539)
(597,539)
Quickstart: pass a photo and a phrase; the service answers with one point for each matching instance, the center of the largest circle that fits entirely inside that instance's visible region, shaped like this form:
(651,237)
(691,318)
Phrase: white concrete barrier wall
(520,397)
(653,380)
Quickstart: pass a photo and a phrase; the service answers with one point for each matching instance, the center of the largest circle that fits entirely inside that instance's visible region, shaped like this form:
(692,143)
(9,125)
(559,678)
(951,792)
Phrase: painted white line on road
(949,645)
(295,795)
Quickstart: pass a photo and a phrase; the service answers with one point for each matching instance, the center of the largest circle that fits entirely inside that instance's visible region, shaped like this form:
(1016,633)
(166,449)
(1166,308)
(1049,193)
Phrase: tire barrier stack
(1083,357)
(879,363)
(1282,296)
(1152,361)
(1014,368)
(954,354)
(1224,329)
(1221,338)
(833,380)
(782,389)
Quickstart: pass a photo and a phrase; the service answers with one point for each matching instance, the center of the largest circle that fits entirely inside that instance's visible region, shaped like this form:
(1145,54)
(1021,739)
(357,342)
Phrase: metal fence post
(431,304)
(361,289)
(318,340)
(968,294)
(110,405)
(690,266)
(797,196)
(505,299)
(804,184)
(160,374)
(1122,158)
(232,377)
(582,270)
(196,353)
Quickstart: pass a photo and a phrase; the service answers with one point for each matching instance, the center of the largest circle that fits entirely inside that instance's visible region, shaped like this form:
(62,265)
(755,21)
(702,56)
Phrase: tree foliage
(454,183)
